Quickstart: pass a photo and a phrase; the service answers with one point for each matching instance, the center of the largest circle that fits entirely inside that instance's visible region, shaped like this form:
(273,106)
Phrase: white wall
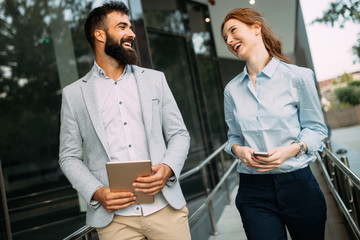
(281,14)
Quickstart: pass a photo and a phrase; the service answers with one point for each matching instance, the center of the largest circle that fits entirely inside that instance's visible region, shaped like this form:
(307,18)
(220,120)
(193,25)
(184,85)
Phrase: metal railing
(4,207)
(344,185)
(85,231)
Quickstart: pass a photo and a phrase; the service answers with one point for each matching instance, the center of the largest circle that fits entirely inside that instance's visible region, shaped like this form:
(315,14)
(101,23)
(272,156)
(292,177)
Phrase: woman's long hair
(249,17)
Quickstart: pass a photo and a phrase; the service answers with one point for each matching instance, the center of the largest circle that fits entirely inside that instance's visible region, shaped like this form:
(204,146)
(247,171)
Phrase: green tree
(346,77)
(348,95)
(342,11)
(354,84)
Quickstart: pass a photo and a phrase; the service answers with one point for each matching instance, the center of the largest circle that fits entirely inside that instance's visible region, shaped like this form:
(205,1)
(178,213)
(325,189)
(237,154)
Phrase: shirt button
(115,83)
(137,208)
(120,102)
(125,123)
(130,145)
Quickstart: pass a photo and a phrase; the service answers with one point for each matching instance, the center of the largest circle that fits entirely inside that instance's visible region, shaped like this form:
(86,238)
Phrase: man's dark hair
(97,18)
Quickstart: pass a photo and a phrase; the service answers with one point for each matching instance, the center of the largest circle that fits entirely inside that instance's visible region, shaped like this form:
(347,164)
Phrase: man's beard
(117,51)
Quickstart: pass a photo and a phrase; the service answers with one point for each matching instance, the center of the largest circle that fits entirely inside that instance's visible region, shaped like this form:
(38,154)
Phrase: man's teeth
(127,44)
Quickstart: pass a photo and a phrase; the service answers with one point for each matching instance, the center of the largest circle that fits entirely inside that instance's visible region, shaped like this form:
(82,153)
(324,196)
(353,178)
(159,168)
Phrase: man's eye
(233,29)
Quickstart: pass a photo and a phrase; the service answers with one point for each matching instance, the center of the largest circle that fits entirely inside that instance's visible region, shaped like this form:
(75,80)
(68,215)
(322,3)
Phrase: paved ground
(349,136)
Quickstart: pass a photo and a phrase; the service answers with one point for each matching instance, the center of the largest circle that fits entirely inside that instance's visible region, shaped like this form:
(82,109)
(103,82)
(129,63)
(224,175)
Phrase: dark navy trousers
(269,202)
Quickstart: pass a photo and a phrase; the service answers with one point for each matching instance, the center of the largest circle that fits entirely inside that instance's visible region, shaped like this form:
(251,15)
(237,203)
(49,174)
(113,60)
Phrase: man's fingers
(149,191)
(112,208)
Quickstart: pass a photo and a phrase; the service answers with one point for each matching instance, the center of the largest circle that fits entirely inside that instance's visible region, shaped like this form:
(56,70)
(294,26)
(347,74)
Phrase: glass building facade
(43,48)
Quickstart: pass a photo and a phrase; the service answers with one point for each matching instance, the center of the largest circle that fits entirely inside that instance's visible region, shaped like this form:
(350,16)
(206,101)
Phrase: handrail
(202,164)
(86,230)
(4,204)
(214,191)
(350,174)
(350,180)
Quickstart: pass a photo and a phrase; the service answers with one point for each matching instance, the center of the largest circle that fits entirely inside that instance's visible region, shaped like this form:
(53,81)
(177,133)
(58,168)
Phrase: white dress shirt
(124,127)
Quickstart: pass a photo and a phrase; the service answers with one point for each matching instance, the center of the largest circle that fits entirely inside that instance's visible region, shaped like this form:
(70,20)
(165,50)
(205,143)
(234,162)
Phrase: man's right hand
(113,201)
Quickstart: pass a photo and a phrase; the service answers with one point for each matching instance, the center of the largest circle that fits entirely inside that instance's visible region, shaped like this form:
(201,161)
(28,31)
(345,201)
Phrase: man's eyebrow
(124,23)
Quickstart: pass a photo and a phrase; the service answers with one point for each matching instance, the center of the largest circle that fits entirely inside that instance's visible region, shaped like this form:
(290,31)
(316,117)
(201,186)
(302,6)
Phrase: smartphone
(261,154)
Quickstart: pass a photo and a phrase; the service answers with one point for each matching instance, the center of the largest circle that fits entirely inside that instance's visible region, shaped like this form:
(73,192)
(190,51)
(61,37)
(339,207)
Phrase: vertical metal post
(88,236)
(328,144)
(210,205)
(349,189)
(4,204)
(226,181)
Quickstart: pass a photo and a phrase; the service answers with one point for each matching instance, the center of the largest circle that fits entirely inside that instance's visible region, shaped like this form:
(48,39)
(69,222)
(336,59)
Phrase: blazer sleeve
(71,155)
(174,130)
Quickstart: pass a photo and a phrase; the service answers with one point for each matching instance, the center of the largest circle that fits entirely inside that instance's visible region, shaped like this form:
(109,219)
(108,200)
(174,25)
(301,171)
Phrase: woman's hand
(244,154)
(276,157)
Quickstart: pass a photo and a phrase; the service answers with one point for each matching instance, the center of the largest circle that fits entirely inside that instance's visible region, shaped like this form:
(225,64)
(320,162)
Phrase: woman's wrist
(235,148)
(299,148)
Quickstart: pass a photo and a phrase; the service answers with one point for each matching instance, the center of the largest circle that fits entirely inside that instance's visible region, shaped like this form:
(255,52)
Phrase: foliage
(348,95)
(342,11)
(346,77)
(354,84)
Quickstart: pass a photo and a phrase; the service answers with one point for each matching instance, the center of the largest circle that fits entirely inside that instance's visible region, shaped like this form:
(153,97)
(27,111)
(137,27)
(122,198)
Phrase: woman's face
(241,39)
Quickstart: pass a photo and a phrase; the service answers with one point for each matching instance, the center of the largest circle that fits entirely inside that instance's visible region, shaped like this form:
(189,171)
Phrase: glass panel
(200,29)
(163,15)
(208,71)
(176,67)
(213,100)
(37,59)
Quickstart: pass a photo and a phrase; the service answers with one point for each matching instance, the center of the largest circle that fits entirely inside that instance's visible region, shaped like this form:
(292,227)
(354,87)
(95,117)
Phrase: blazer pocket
(155,105)
(156,115)
(155,101)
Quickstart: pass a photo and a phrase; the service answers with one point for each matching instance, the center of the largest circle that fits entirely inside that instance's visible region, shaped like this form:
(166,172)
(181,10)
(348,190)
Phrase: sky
(331,47)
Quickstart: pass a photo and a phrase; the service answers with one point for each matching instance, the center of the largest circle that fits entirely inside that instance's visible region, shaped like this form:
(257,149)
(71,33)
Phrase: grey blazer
(82,126)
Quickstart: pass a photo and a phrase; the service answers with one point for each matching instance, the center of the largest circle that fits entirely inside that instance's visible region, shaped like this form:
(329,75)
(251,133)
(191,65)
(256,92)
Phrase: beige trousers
(166,224)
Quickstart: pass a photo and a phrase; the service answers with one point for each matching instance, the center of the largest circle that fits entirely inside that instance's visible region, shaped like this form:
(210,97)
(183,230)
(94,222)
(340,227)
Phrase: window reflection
(42,49)
(163,15)
(200,30)
(170,56)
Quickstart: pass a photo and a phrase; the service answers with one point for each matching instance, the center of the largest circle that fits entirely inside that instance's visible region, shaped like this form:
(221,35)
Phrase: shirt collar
(101,73)
(268,70)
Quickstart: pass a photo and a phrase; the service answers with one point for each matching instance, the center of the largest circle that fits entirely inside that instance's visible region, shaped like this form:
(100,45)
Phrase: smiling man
(121,112)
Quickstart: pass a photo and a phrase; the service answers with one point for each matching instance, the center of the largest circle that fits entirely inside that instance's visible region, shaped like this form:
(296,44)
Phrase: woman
(273,107)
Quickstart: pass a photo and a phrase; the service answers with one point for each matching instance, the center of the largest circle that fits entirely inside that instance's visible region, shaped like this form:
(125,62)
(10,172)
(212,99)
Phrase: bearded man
(121,112)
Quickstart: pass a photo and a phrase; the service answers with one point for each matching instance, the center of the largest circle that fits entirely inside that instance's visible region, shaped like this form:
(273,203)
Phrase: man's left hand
(153,184)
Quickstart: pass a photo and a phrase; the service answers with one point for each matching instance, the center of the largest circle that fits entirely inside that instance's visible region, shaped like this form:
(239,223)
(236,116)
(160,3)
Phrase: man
(121,112)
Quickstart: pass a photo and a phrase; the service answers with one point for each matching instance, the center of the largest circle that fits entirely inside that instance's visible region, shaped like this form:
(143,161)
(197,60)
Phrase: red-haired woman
(272,106)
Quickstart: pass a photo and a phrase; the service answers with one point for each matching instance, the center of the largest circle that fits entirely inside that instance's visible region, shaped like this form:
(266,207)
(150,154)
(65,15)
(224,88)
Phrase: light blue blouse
(284,107)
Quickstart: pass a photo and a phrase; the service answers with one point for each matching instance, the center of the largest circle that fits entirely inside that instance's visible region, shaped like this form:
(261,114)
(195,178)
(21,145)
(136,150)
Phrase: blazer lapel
(145,98)
(90,97)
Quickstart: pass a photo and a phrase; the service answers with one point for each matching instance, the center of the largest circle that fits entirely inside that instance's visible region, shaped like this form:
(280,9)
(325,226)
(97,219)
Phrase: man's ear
(100,35)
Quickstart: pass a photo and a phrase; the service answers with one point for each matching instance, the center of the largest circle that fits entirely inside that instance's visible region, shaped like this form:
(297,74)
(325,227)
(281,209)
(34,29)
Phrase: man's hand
(153,184)
(112,201)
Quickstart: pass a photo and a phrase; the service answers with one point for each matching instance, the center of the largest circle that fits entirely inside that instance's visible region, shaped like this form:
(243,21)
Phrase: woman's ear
(100,35)
(257,27)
